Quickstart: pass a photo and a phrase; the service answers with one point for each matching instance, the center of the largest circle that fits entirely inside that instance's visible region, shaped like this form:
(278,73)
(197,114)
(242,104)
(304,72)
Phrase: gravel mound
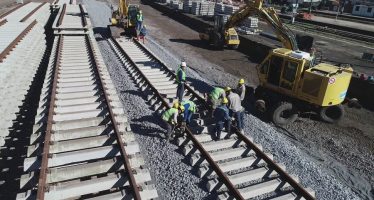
(172,175)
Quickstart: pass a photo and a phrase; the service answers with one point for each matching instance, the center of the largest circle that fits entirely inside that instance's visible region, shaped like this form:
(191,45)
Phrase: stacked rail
(22,47)
(235,167)
(82,146)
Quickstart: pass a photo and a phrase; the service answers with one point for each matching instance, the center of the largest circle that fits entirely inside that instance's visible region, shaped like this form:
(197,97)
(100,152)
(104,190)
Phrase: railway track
(82,146)
(333,33)
(236,168)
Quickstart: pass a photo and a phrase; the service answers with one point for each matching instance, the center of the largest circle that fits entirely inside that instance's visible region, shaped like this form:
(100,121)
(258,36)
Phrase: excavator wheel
(332,114)
(284,113)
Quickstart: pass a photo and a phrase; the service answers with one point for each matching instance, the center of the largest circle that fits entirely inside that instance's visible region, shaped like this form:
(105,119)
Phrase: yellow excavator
(221,34)
(290,81)
(123,19)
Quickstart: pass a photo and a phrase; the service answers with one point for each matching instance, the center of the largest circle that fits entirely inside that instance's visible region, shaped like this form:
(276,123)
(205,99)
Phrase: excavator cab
(289,82)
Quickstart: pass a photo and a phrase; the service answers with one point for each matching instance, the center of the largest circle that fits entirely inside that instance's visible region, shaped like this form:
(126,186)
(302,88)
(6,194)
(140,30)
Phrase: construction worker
(139,20)
(181,79)
(215,97)
(235,107)
(143,33)
(170,118)
(240,89)
(222,118)
(189,110)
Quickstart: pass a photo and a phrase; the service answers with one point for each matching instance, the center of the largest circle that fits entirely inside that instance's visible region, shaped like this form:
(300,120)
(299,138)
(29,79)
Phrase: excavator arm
(269,15)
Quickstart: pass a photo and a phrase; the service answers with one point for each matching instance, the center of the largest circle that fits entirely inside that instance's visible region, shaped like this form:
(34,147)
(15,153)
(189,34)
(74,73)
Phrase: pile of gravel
(172,176)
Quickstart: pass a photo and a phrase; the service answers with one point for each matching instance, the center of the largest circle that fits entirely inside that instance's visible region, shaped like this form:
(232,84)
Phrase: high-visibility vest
(192,106)
(183,75)
(139,17)
(169,113)
(216,93)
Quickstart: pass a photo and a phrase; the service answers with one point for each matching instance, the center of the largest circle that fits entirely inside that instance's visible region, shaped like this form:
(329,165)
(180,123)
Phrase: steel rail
(2,22)
(83,16)
(32,12)
(126,164)
(12,10)
(42,187)
(235,192)
(15,41)
(61,17)
(299,189)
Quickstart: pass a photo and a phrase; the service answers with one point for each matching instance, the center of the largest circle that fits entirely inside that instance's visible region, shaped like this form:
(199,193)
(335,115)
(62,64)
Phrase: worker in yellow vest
(181,79)
(139,20)
(170,117)
(215,98)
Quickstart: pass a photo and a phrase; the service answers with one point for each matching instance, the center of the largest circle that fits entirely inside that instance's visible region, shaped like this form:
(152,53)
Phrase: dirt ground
(346,149)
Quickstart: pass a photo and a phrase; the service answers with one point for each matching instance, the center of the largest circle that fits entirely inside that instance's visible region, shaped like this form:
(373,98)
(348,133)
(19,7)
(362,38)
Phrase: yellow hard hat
(225,100)
(181,107)
(175,105)
(227,89)
(241,81)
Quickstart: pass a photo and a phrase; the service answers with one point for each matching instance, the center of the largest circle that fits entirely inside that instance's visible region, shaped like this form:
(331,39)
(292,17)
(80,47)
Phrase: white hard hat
(184,64)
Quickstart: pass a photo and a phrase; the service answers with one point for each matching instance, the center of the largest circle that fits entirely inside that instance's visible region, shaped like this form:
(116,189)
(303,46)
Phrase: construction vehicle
(123,20)
(290,81)
(220,34)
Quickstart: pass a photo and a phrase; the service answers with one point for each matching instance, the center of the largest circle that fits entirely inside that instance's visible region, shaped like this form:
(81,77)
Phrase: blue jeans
(180,91)
(219,127)
(139,25)
(239,117)
(187,116)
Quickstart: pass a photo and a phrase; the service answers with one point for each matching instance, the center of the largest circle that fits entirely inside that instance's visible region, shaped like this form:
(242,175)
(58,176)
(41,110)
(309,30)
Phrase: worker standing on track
(170,117)
(139,20)
(240,89)
(235,107)
(215,98)
(222,118)
(181,79)
(189,110)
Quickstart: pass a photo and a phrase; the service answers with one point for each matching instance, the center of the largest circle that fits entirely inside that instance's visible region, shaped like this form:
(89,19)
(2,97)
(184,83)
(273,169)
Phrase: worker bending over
(240,89)
(170,117)
(181,79)
(222,118)
(189,110)
(235,108)
(215,98)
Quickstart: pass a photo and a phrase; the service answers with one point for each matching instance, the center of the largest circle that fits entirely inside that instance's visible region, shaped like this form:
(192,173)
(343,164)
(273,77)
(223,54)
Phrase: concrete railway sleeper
(82,146)
(236,168)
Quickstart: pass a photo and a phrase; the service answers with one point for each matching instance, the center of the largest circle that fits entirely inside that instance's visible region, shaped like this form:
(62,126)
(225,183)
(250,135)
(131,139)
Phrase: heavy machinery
(220,34)
(290,82)
(123,19)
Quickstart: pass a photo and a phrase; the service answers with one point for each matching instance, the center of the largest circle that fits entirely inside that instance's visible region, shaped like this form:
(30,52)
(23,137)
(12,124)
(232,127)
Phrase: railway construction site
(83,102)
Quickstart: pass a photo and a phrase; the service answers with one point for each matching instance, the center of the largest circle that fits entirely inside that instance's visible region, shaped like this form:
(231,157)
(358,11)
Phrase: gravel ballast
(173,178)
